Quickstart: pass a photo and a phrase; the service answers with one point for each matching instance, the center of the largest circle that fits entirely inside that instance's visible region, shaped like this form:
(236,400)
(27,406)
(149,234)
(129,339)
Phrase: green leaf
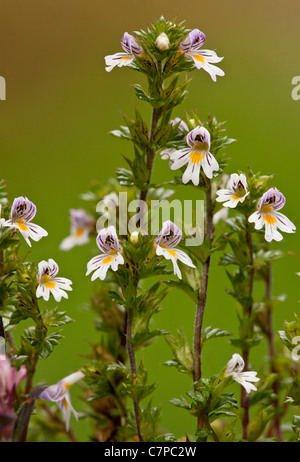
(202,434)
(259,423)
(209,333)
(196,396)
(193,294)
(55,318)
(182,351)
(180,403)
(228,435)
(283,337)
(146,338)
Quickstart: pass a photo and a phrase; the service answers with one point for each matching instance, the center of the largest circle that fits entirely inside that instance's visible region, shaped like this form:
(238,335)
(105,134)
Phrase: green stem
(245,353)
(207,423)
(132,362)
(151,153)
(197,370)
(33,360)
(272,352)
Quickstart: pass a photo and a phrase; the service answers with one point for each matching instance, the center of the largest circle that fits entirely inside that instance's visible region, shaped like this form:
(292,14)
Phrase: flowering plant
(136,269)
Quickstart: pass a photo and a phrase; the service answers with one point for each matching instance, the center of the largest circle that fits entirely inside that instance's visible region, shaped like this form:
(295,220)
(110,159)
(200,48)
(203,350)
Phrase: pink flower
(9,380)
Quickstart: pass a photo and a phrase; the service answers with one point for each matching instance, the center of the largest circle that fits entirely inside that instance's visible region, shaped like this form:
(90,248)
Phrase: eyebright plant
(135,271)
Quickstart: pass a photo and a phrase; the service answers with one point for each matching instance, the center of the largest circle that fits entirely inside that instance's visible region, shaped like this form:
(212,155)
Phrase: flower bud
(134,237)
(162,42)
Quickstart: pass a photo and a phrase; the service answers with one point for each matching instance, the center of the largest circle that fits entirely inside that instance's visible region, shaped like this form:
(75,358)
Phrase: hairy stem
(245,353)
(197,372)
(208,426)
(33,360)
(132,362)
(272,353)
(30,372)
(151,153)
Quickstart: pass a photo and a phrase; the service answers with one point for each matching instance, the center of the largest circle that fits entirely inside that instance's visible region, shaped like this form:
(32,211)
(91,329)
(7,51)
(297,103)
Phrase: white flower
(203,59)
(131,48)
(236,191)
(107,241)
(234,369)
(220,215)
(60,394)
(162,42)
(81,226)
(197,155)
(167,154)
(182,127)
(169,236)
(108,204)
(22,212)
(48,283)
(268,216)
(110,200)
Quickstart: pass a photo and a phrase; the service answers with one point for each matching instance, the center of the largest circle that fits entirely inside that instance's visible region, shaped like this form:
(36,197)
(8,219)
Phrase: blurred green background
(54,139)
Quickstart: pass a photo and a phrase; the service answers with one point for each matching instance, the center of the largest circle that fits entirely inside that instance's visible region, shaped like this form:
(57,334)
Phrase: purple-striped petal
(107,240)
(131,45)
(169,235)
(274,198)
(199,135)
(22,208)
(193,41)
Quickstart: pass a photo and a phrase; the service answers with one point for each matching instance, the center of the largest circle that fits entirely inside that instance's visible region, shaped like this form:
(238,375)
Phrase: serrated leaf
(179,403)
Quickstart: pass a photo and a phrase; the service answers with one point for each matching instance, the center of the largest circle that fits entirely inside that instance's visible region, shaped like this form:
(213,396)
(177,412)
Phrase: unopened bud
(192,122)
(162,42)
(134,237)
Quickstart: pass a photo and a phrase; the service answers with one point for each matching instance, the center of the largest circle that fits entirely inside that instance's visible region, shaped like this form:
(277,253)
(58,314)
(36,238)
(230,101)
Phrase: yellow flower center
(171,252)
(196,157)
(238,194)
(47,282)
(269,219)
(199,58)
(266,209)
(79,232)
(21,225)
(109,259)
